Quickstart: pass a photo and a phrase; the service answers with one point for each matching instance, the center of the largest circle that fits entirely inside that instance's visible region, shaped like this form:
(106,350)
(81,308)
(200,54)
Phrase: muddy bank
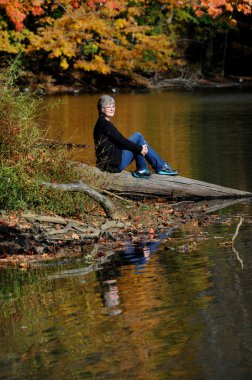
(28,238)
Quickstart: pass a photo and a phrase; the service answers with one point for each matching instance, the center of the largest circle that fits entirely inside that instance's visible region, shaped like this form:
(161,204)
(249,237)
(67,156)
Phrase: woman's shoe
(145,174)
(167,170)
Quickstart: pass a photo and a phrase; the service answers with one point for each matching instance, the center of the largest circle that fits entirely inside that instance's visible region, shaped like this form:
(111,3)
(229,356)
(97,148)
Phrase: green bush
(17,190)
(25,162)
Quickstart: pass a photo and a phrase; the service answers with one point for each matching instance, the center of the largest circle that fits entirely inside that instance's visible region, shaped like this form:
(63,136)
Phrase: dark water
(148,312)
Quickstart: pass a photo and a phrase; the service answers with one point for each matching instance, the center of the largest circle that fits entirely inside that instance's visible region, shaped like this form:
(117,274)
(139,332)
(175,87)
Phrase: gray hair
(104,101)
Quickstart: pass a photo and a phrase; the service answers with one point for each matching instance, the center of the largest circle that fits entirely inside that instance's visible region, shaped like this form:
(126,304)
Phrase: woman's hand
(144,150)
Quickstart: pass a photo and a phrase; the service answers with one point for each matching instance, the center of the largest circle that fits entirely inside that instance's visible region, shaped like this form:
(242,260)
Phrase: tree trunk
(170,187)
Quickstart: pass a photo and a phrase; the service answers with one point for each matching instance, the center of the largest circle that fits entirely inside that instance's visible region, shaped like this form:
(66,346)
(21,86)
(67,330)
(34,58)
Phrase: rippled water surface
(149,311)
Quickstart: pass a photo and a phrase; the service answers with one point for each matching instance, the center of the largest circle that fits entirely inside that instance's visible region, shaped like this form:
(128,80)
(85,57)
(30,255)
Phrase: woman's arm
(124,143)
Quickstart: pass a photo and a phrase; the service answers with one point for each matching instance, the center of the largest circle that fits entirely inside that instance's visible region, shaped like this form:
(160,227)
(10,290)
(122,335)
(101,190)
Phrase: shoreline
(63,238)
(239,83)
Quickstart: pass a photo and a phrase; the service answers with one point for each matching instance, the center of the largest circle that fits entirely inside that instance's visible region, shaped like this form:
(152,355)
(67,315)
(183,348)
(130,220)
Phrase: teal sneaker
(167,170)
(145,174)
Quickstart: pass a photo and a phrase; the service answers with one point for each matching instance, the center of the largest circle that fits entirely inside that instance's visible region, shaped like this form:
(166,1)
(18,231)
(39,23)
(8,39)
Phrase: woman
(114,152)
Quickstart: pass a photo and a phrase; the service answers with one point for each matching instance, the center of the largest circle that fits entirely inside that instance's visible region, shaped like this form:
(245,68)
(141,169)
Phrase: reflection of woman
(114,152)
(139,253)
(111,297)
(134,254)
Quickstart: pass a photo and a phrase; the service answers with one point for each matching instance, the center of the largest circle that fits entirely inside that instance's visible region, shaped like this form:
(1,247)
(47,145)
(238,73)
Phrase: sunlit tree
(103,36)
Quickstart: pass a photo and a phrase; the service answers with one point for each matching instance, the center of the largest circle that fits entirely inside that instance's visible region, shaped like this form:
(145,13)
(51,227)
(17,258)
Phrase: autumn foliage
(103,36)
(17,10)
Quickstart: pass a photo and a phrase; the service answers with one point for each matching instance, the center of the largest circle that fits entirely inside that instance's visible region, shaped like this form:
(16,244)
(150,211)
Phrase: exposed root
(106,204)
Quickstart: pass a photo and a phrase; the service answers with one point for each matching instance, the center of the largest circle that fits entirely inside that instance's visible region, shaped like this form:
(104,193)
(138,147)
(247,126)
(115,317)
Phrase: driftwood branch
(75,231)
(38,234)
(237,229)
(233,240)
(106,204)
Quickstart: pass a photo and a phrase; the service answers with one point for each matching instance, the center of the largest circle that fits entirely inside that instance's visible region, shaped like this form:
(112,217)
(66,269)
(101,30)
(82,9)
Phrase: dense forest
(90,43)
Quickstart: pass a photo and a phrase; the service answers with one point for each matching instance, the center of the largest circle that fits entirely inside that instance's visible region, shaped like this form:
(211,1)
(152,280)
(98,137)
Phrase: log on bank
(170,187)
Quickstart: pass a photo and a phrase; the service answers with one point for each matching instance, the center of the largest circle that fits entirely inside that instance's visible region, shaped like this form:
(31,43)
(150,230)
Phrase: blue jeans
(152,157)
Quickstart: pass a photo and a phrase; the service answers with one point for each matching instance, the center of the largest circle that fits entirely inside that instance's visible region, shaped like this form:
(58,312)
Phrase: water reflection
(168,315)
(135,255)
(68,329)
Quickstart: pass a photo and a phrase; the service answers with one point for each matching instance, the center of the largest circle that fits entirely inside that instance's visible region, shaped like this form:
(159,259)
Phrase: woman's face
(109,110)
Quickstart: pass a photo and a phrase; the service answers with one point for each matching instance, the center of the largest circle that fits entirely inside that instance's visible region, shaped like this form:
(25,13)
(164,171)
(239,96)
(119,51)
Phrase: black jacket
(109,143)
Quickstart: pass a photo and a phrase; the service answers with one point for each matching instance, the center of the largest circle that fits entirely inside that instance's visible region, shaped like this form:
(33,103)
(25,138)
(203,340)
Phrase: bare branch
(233,240)
(106,204)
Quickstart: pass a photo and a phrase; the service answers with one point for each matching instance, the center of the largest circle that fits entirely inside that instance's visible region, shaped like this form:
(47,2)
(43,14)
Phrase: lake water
(205,135)
(148,312)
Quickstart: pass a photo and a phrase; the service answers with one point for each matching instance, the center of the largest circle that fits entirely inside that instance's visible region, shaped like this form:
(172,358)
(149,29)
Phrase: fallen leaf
(25,226)
(24,265)
(75,236)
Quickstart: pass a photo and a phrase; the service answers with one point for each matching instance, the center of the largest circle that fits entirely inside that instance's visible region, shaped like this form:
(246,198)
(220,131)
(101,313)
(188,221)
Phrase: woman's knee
(137,136)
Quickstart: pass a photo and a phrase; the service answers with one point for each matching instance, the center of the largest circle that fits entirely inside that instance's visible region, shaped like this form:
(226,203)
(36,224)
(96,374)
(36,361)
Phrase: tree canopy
(108,36)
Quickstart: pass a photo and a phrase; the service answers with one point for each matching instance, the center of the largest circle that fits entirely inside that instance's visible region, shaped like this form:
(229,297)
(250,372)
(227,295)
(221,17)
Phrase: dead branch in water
(237,229)
(233,240)
(55,144)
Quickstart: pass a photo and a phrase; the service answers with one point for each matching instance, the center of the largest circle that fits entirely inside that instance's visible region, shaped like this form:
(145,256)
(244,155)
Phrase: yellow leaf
(98,58)
(57,52)
(64,64)
(120,23)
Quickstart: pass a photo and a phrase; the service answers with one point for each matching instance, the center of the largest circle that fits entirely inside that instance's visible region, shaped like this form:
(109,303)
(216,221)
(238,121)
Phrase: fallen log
(170,187)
